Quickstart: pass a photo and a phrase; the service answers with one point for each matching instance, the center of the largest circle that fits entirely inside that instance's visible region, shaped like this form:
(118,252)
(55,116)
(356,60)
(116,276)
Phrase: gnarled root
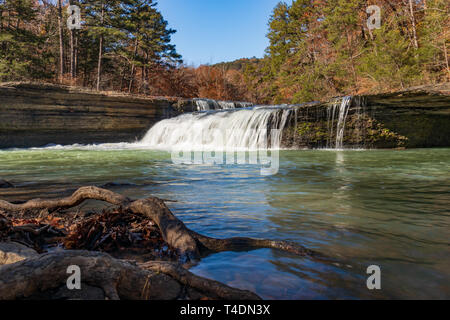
(75,199)
(189,244)
(210,288)
(117,278)
(244,244)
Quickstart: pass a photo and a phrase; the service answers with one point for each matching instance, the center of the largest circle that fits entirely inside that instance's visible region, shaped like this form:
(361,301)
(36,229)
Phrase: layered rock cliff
(413,118)
(33,115)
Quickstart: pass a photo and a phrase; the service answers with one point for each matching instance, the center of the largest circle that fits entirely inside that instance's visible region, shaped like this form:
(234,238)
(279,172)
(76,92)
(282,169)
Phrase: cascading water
(237,130)
(209,104)
(243,129)
(206,104)
(343,112)
(338,110)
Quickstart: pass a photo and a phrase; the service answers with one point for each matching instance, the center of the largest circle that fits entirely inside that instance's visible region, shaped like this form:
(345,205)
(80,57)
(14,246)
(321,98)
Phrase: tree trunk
(72,56)
(75,62)
(100,53)
(86,76)
(413,22)
(352,63)
(446,59)
(133,67)
(99,66)
(1,19)
(74,51)
(61,47)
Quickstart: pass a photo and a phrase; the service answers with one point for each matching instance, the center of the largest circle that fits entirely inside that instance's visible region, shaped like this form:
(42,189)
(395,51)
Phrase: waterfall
(339,110)
(209,104)
(235,129)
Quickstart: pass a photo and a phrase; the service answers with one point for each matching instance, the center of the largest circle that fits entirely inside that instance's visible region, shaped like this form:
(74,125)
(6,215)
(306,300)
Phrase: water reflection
(367,218)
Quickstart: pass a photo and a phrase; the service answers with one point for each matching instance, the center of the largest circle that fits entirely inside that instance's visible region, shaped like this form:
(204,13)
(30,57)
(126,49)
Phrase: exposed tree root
(211,288)
(189,244)
(75,199)
(244,244)
(117,278)
(113,278)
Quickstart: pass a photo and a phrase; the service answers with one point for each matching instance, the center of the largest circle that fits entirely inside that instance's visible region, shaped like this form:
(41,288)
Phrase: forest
(318,49)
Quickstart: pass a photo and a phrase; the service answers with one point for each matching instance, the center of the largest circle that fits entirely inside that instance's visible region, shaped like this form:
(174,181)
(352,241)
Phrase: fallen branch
(244,244)
(117,278)
(190,245)
(74,200)
(210,288)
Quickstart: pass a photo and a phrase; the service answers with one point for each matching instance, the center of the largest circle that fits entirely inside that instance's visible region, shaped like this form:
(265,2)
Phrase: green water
(385,208)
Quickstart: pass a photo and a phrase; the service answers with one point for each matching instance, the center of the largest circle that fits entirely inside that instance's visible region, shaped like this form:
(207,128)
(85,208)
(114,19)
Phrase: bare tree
(413,22)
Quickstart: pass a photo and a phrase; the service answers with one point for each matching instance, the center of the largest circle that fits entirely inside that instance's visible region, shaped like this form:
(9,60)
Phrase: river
(388,208)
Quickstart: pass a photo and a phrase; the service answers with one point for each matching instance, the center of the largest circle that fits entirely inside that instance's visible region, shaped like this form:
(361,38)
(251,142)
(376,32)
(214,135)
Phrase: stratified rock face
(414,118)
(34,115)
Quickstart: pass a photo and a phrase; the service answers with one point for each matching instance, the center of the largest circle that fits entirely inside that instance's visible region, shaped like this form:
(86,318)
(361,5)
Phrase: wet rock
(116,184)
(35,115)
(413,118)
(11,252)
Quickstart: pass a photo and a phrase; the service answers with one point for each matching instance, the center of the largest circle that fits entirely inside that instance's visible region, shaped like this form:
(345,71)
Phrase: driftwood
(118,279)
(190,245)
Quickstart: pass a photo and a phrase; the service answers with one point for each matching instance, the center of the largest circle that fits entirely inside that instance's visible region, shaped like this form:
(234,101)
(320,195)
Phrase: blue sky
(210,31)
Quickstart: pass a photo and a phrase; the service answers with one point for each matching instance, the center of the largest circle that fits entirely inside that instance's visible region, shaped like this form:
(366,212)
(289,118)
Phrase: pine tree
(149,39)
(278,35)
(342,25)
(393,65)
(19,43)
(101,22)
